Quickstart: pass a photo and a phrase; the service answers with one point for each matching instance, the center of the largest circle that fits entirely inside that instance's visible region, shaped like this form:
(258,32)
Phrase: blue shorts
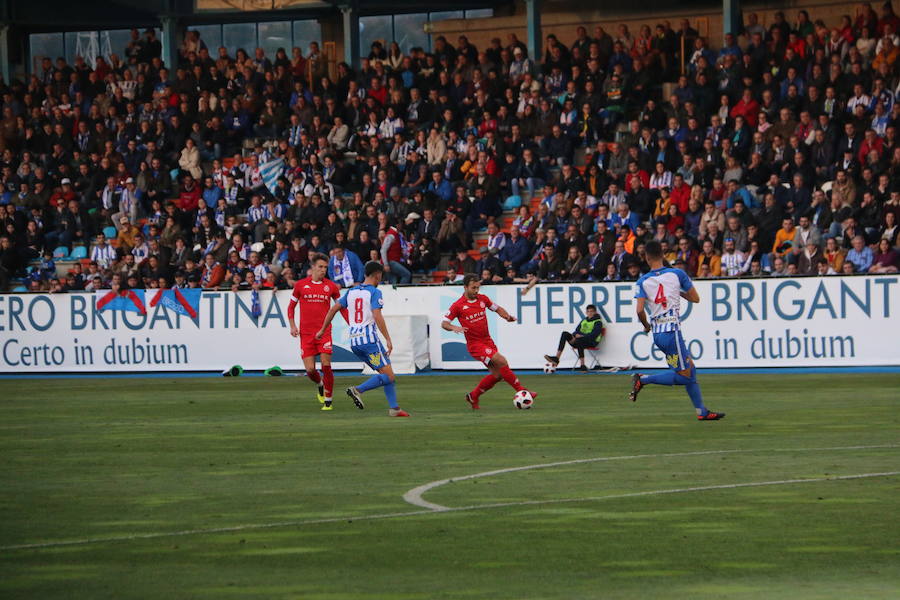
(672,344)
(373,355)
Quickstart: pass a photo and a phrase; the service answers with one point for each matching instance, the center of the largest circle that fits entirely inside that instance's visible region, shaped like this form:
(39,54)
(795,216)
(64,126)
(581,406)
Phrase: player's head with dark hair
(374,270)
(471,285)
(590,310)
(653,250)
(318,266)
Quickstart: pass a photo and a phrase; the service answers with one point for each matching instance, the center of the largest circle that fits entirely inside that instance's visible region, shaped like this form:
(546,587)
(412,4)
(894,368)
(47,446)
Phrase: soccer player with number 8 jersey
(364,303)
(661,290)
(471,311)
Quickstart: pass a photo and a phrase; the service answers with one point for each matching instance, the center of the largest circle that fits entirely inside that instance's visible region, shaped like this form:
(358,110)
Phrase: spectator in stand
(344,267)
(860,255)
(757,132)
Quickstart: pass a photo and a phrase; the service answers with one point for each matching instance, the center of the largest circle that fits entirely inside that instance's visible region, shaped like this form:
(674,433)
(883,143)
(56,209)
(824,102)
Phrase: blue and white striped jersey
(662,288)
(360,301)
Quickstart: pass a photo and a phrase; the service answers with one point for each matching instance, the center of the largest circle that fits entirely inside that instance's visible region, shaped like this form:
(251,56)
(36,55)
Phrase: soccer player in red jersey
(470,310)
(315,294)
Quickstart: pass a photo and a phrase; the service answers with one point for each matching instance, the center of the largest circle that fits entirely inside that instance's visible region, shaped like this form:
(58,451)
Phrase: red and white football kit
(314,298)
(472,314)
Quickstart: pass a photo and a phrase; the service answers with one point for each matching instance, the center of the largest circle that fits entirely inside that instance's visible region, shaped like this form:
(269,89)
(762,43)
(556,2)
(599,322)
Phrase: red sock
(328,380)
(484,385)
(314,376)
(510,378)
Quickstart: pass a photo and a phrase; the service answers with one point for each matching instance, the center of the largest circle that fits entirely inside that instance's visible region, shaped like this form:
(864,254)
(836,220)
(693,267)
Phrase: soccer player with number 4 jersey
(363,304)
(660,291)
(314,295)
(471,311)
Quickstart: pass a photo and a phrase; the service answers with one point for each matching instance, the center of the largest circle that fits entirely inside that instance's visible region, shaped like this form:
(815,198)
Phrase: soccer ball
(549,368)
(523,400)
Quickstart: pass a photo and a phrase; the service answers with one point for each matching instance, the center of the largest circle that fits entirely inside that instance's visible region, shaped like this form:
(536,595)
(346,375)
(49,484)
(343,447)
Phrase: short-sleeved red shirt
(314,298)
(472,314)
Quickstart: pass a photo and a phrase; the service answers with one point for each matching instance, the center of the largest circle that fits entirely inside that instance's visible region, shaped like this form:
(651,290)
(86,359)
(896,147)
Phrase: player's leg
(376,357)
(686,375)
(327,378)
(565,337)
(501,365)
(682,372)
(486,383)
(309,363)
(390,391)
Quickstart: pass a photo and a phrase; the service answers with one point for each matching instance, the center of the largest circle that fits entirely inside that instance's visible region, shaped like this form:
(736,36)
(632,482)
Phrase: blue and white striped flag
(271,171)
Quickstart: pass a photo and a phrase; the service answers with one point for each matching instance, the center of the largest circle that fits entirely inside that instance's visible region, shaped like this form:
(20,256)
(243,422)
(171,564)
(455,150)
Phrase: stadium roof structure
(65,15)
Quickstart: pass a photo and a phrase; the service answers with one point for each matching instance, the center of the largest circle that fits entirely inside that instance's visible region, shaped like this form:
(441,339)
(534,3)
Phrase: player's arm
(448,326)
(335,309)
(382,327)
(640,305)
(447,322)
(504,314)
(691,295)
(641,314)
(292,305)
(688,291)
(336,296)
(499,310)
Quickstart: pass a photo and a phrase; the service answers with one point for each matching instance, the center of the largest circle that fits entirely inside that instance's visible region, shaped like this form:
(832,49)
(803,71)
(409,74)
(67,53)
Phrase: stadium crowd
(775,155)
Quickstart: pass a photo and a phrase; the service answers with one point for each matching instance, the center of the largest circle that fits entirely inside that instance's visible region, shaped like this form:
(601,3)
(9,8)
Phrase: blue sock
(693,390)
(690,384)
(371,383)
(390,391)
(664,378)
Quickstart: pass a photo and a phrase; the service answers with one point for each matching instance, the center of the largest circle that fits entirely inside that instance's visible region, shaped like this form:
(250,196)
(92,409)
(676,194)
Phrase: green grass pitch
(215,488)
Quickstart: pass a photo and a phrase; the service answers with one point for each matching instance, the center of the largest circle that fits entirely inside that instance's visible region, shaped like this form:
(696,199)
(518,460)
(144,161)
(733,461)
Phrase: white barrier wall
(834,321)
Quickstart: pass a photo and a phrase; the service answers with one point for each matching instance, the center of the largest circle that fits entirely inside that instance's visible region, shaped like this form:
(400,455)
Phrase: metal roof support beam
(171,42)
(731,17)
(350,16)
(533,24)
(5,66)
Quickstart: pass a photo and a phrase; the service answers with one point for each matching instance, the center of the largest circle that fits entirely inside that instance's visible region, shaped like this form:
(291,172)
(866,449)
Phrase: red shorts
(482,351)
(310,346)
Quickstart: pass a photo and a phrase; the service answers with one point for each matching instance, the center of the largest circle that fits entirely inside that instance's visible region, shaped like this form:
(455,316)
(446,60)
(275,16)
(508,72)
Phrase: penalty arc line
(474,507)
(414,496)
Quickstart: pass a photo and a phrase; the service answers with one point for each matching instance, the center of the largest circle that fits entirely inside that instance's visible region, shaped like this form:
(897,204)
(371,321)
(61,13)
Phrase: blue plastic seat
(78,252)
(110,232)
(61,252)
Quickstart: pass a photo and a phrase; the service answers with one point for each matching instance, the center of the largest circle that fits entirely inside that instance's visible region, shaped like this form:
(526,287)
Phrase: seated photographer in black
(587,335)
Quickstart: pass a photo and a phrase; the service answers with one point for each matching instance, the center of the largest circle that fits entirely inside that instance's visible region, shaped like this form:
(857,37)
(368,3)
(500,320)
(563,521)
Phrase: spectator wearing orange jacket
(213,273)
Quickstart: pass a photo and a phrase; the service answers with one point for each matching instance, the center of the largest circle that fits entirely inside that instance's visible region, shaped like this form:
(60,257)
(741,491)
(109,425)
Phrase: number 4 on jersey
(661,297)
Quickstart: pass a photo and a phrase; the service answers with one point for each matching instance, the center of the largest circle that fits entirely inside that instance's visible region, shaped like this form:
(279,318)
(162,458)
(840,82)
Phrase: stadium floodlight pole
(533,25)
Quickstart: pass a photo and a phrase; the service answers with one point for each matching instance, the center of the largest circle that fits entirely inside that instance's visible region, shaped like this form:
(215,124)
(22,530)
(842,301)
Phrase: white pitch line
(414,496)
(704,488)
(474,507)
